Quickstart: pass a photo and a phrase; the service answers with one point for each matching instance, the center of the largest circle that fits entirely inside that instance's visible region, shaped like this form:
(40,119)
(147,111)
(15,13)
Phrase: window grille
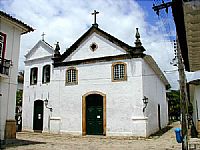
(119,71)
(71,76)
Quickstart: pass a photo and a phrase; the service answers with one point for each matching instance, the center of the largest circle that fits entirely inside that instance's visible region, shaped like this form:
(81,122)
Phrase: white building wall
(155,91)
(31,93)
(8,85)
(122,98)
(196,104)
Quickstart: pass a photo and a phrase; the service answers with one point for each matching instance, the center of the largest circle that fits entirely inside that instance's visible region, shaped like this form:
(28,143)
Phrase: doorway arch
(94,101)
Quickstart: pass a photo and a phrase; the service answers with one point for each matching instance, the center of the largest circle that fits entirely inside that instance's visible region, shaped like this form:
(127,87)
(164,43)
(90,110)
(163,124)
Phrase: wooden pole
(183,99)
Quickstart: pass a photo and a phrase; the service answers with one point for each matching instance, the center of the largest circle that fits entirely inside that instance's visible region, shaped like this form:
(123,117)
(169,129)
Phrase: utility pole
(182,83)
(183,99)
(161,6)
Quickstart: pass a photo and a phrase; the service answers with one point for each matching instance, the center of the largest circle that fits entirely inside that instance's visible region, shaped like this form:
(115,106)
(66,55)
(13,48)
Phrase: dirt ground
(46,141)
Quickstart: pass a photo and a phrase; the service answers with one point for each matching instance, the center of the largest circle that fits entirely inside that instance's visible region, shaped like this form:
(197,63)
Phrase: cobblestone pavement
(45,141)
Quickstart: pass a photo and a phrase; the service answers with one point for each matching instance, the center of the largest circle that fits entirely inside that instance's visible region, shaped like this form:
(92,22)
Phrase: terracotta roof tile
(29,28)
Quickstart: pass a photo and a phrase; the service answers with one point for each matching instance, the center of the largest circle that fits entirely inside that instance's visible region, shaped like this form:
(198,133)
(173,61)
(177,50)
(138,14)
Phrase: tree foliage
(19,98)
(174,105)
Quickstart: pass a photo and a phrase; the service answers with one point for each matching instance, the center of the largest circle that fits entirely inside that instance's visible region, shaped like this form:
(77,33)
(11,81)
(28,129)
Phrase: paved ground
(44,141)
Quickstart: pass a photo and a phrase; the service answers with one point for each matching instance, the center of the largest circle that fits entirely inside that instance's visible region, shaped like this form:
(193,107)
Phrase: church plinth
(10,129)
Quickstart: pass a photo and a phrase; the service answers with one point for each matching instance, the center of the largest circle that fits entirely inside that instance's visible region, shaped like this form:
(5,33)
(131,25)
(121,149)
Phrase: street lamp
(145,101)
(46,102)
(46,105)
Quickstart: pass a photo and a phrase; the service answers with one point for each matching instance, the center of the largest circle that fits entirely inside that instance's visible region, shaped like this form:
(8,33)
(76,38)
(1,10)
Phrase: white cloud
(66,20)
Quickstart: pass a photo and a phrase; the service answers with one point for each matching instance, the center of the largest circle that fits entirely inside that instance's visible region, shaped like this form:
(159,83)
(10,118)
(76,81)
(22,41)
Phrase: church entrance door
(94,114)
(38,116)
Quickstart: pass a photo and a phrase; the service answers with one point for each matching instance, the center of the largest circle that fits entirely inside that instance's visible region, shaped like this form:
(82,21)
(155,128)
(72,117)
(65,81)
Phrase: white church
(98,86)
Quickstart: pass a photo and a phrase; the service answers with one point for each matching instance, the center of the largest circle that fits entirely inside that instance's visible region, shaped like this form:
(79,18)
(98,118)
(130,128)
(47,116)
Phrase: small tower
(138,49)
(137,41)
(57,51)
(56,56)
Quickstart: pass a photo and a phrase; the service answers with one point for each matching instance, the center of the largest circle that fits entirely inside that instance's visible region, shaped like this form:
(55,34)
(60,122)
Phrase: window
(119,72)
(2,44)
(93,46)
(33,76)
(71,76)
(46,74)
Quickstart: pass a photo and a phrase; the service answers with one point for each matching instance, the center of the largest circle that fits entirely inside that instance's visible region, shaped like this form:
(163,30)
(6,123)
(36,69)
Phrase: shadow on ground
(162,131)
(19,142)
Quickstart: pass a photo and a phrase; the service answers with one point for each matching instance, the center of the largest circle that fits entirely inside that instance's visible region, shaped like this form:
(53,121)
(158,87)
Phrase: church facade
(98,86)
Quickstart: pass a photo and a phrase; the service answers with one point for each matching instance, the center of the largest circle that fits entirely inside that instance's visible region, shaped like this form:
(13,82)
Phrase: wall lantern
(46,102)
(145,101)
(46,105)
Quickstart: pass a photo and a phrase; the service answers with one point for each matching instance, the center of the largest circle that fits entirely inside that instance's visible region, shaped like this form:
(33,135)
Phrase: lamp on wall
(46,102)
(46,105)
(145,101)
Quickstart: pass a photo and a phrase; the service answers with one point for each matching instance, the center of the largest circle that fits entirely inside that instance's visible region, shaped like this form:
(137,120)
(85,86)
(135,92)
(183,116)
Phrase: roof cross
(95,13)
(43,36)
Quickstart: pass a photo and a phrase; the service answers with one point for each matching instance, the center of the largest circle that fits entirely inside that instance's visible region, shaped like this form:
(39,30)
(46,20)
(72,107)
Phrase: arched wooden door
(94,114)
(38,116)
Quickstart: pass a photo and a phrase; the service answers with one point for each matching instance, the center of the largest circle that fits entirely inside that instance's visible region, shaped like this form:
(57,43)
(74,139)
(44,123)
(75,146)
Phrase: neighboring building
(187,19)
(11,30)
(98,86)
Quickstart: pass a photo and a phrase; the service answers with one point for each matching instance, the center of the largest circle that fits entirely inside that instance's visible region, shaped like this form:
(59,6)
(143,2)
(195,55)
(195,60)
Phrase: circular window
(93,46)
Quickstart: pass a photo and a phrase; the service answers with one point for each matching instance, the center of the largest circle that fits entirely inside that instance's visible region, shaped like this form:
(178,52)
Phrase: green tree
(19,98)
(174,105)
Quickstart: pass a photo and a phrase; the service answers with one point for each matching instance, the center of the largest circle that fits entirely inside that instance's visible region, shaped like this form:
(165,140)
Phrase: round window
(93,46)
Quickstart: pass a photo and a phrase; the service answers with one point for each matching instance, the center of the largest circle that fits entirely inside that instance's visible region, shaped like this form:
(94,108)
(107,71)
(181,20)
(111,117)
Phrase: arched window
(71,76)
(46,74)
(119,71)
(33,76)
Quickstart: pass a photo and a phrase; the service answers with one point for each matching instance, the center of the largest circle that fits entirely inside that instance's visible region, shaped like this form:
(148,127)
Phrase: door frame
(159,118)
(42,120)
(84,111)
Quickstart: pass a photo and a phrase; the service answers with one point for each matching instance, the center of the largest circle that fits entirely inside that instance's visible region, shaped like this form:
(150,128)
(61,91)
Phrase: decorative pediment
(97,44)
(40,50)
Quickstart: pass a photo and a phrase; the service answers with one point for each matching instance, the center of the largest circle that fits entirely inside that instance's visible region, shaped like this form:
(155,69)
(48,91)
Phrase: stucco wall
(40,91)
(9,84)
(155,91)
(123,99)
(121,106)
(196,103)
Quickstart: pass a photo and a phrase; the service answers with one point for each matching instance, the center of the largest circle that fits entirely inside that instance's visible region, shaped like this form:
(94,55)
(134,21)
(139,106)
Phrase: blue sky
(152,17)
(67,20)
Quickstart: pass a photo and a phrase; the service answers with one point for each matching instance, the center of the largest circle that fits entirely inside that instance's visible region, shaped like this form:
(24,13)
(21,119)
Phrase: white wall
(9,84)
(34,92)
(155,91)
(196,103)
(123,104)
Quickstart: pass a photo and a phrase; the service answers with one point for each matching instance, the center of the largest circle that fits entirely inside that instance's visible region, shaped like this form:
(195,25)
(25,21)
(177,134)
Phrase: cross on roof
(95,13)
(43,36)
